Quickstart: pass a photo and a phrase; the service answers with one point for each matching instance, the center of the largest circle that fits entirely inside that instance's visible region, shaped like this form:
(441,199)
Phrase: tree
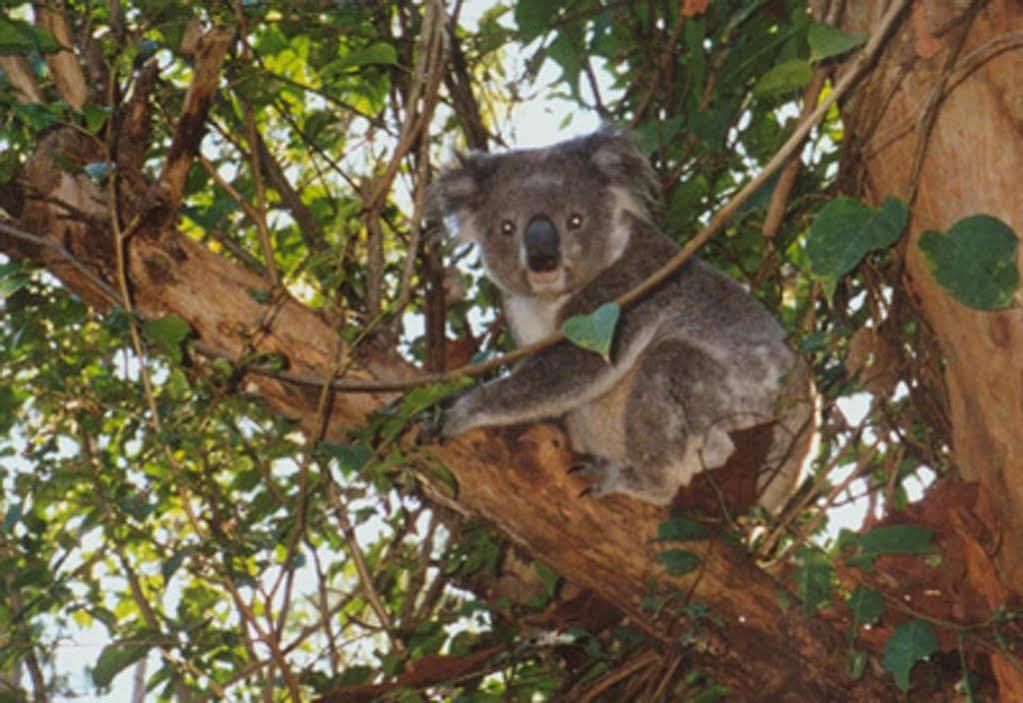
(213,221)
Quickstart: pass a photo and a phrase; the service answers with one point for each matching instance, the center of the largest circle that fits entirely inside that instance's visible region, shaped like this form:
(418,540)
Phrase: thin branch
(787,177)
(365,577)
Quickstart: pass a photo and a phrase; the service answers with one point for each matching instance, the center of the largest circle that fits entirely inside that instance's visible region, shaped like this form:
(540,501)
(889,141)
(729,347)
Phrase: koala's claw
(601,474)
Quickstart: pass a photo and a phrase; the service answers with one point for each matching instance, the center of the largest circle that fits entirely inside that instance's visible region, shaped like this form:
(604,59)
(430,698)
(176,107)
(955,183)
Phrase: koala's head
(547,221)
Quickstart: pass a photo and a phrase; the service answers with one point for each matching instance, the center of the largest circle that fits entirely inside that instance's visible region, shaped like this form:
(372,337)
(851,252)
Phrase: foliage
(150,503)
(975,261)
(594,331)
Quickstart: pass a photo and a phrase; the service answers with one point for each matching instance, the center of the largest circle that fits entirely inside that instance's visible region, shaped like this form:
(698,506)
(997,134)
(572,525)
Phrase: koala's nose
(543,252)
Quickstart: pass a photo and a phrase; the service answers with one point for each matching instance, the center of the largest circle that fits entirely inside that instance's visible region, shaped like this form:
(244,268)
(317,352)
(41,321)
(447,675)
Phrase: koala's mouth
(547,281)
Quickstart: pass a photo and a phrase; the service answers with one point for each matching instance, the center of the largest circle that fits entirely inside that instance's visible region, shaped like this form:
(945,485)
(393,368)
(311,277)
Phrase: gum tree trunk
(970,162)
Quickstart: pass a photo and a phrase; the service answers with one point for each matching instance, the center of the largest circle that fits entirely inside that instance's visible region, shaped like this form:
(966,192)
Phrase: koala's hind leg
(673,426)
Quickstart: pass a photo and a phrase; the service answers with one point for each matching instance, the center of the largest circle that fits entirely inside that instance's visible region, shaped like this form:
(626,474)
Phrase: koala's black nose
(543,251)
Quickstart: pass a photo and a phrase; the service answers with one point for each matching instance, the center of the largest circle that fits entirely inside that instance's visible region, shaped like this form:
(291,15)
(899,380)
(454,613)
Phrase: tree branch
(191,126)
(63,64)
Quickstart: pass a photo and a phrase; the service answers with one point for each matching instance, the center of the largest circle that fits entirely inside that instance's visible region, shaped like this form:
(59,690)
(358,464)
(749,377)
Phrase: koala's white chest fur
(532,319)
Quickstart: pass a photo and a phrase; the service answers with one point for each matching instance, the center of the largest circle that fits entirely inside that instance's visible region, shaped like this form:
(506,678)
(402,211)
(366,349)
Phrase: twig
(642,661)
(365,577)
(104,287)
(787,177)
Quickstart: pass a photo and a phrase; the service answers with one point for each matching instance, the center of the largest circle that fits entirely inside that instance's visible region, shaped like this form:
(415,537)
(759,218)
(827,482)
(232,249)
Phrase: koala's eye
(575,220)
(507,228)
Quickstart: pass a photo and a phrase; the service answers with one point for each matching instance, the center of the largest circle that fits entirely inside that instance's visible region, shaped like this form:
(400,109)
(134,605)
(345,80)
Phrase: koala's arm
(546,385)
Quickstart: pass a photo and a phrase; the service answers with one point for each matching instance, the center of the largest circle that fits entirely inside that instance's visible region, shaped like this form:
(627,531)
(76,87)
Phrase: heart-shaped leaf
(975,261)
(910,643)
(867,605)
(680,528)
(846,229)
(594,331)
(678,561)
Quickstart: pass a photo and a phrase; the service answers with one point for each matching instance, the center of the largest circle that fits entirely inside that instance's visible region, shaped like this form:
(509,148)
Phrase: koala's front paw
(459,418)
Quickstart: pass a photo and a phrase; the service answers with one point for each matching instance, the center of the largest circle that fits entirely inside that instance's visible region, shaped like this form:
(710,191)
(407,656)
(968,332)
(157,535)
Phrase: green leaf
(534,17)
(678,561)
(896,539)
(867,605)
(975,261)
(813,580)
(260,295)
(12,517)
(910,643)
(114,659)
(169,567)
(785,77)
(378,53)
(11,284)
(548,576)
(167,334)
(95,117)
(20,37)
(680,528)
(827,41)
(846,229)
(594,331)
(350,457)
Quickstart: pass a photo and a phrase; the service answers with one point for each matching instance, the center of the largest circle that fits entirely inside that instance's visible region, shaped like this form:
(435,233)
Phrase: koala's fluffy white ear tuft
(452,195)
(618,157)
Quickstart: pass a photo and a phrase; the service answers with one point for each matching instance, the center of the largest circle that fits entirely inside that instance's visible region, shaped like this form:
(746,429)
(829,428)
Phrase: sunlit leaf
(167,334)
(594,331)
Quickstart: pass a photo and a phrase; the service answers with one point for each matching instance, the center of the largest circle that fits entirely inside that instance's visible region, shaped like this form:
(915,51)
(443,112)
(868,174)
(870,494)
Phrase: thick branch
(191,126)
(67,74)
(19,74)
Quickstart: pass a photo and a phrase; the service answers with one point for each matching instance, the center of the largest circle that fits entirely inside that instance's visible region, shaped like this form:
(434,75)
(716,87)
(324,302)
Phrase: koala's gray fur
(565,229)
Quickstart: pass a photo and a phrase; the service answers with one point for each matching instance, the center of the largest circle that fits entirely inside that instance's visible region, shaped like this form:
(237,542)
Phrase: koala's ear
(454,193)
(616,155)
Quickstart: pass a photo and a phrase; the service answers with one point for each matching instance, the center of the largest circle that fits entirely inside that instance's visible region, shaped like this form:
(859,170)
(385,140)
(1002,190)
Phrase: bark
(972,158)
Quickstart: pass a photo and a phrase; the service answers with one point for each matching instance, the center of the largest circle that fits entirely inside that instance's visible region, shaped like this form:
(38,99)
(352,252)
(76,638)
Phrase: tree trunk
(972,163)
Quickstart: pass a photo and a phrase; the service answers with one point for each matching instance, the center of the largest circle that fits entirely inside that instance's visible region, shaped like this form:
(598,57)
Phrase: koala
(565,229)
